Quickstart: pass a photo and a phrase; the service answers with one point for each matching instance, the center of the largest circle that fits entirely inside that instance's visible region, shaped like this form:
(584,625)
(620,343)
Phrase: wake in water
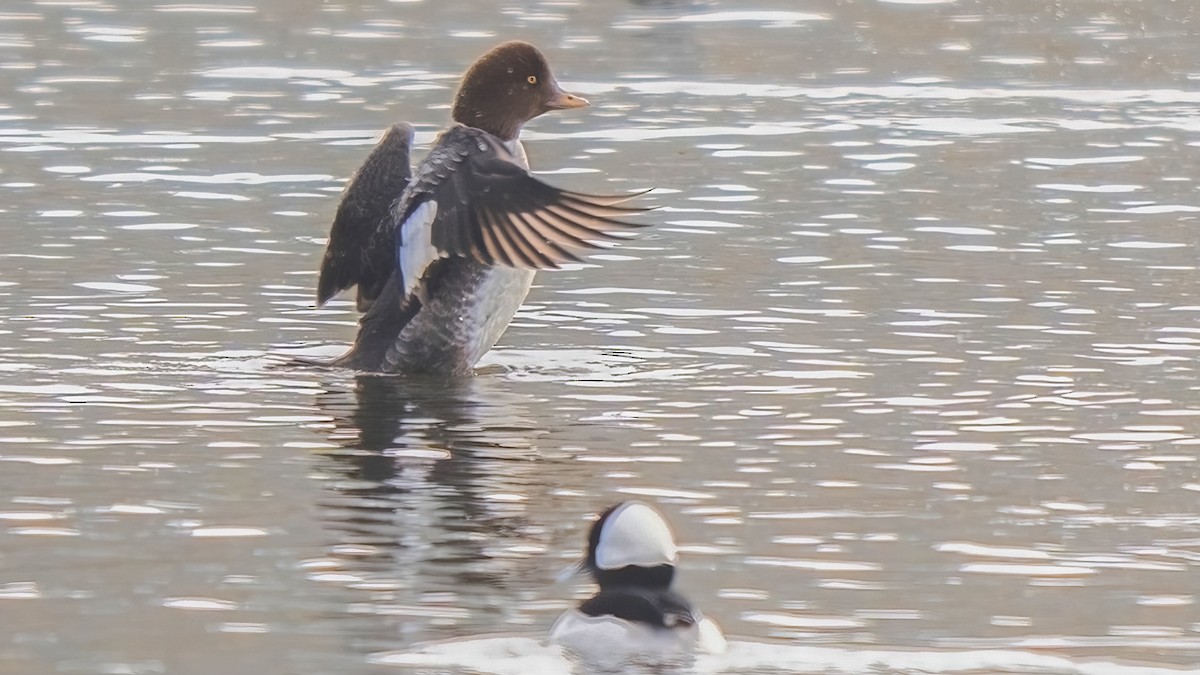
(514,655)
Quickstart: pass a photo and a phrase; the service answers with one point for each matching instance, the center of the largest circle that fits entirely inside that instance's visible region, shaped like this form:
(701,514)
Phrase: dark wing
(492,210)
(361,240)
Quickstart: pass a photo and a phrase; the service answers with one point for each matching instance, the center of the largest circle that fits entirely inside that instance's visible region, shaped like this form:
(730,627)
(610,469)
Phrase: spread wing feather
(503,215)
(361,240)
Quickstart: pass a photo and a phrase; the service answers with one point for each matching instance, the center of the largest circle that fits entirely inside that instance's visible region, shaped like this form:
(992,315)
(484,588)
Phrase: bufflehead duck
(635,615)
(443,258)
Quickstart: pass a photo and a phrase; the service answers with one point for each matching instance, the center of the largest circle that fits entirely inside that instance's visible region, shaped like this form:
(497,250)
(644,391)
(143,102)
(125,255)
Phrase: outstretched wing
(361,240)
(517,220)
(486,207)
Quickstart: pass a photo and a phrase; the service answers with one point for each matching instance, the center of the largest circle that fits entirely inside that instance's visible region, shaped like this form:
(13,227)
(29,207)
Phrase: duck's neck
(518,152)
(503,128)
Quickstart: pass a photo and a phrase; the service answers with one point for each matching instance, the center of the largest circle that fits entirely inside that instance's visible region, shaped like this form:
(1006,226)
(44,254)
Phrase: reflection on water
(906,358)
(416,471)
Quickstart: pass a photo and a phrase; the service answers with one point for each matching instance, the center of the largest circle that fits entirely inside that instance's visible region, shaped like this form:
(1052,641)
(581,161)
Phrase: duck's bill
(562,101)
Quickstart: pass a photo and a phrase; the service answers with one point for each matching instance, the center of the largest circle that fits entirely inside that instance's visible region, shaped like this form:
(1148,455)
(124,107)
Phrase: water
(906,359)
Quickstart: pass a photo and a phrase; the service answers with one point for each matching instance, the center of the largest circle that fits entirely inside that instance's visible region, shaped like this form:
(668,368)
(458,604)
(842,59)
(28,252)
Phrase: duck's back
(601,640)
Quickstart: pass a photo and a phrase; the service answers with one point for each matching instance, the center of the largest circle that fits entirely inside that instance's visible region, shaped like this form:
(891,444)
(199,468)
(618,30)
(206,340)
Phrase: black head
(507,87)
(659,608)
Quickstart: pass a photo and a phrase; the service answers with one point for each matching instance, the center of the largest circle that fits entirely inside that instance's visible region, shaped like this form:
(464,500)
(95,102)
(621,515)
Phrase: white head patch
(635,535)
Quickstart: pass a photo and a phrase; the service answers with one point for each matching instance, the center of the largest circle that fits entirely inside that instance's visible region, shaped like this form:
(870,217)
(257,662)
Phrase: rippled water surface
(907,359)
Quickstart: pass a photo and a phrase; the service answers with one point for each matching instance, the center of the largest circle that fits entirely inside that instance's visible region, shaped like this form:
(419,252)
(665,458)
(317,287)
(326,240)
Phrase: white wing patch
(416,250)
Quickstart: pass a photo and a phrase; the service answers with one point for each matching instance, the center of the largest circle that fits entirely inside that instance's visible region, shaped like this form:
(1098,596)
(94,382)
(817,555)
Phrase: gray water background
(907,358)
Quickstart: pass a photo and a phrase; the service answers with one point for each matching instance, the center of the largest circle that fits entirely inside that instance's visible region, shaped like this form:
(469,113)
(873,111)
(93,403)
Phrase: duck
(443,257)
(635,615)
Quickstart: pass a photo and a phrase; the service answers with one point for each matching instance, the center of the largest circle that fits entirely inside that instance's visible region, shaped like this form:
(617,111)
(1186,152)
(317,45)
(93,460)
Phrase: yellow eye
(532,79)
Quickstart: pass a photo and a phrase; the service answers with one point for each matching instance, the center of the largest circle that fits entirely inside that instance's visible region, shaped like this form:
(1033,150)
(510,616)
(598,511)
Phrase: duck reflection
(430,484)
